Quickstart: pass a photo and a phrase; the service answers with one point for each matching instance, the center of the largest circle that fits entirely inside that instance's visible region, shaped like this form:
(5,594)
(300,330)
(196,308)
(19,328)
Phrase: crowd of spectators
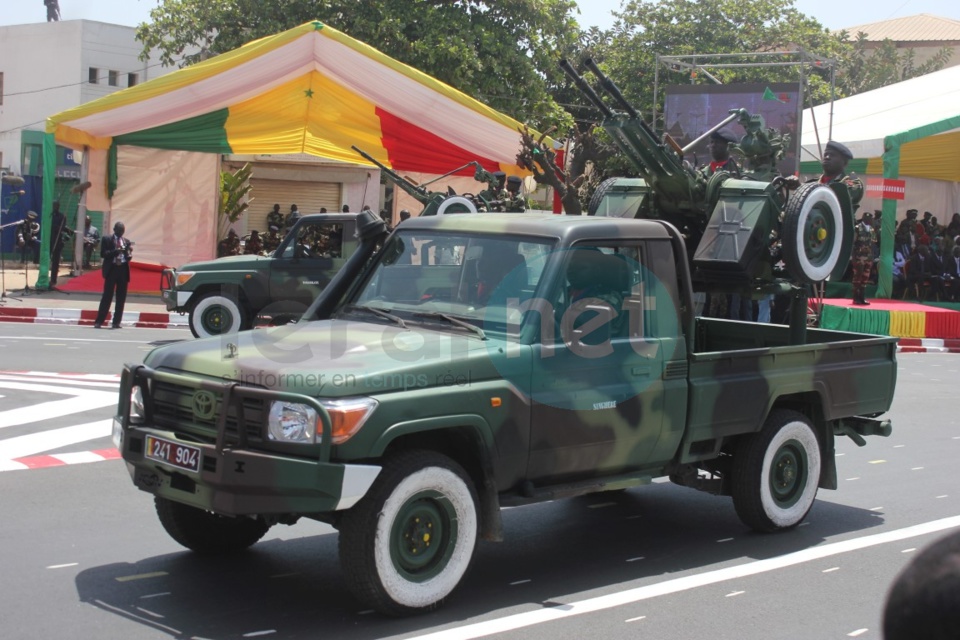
(926,257)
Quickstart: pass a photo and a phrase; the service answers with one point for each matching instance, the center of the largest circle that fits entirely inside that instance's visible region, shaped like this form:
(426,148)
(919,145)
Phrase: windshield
(484,280)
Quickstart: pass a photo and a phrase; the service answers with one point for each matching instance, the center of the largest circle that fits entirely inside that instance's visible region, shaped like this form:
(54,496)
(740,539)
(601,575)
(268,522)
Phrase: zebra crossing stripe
(59,459)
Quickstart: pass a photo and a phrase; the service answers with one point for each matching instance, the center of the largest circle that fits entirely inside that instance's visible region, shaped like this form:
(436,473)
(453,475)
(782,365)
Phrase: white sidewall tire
(418,595)
(454,200)
(802,433)
(229,305)
(824,195)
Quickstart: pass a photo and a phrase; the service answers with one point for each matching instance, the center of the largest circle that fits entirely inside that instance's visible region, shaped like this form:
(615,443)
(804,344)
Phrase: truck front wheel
(216,314)
(206,532)
(406,545)
(776,473)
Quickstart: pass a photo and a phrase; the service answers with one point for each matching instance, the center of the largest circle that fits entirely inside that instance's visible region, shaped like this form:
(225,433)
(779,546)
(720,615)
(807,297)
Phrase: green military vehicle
(228,294)
(479,361)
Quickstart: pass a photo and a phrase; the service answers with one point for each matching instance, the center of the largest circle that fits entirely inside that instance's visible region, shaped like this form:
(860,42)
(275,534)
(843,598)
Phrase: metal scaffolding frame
(703,62)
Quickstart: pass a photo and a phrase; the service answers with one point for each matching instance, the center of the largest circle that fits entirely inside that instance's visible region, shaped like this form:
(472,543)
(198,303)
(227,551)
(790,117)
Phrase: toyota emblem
(204,405)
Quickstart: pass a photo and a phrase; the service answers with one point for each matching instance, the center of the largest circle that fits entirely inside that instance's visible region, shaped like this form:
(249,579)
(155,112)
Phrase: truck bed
(739,370)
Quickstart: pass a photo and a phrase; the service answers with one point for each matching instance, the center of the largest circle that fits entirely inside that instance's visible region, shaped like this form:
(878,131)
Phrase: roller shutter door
(308,196)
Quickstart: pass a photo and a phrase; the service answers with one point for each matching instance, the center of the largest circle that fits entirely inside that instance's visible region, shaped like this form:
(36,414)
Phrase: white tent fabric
(862,121)
(168,208)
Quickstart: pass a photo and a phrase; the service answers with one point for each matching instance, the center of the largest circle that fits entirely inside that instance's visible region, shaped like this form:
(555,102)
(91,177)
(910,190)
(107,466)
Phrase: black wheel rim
(216,319)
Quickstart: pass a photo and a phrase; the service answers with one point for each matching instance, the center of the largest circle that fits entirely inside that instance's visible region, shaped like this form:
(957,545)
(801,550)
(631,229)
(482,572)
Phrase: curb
(928,345)
(86,317)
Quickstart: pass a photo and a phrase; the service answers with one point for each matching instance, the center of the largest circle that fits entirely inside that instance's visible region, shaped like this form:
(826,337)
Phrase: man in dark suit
(951,275)
(115,251)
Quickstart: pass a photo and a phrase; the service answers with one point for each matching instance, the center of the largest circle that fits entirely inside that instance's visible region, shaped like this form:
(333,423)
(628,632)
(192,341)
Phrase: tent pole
(81,215)
(49,179)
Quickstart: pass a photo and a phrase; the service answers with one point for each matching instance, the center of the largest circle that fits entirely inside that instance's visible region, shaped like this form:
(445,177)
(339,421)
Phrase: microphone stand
(3,269)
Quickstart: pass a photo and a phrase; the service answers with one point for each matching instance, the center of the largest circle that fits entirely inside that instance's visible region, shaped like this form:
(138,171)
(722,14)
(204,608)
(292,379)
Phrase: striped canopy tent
(909,130)
(311,89)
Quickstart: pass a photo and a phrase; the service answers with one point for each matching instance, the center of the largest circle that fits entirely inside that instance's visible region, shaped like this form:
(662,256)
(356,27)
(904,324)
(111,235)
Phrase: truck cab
(228,294)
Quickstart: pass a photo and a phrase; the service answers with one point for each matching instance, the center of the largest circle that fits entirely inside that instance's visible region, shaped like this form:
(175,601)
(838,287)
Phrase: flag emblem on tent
(770,95)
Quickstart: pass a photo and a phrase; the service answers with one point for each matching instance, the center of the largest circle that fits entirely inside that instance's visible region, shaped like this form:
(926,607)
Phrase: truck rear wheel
(776,473)
(207,532)
(407,544)
(216,314)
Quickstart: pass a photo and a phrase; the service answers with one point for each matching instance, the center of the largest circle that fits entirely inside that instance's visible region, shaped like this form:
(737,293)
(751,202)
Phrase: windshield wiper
(382,313)
(452,320)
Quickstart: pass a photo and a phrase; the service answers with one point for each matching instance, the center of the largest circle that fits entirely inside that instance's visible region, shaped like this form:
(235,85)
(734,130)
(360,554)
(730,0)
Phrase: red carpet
(144,278)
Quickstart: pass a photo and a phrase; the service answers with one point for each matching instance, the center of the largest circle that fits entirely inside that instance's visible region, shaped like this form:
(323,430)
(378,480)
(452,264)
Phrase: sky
(833,14)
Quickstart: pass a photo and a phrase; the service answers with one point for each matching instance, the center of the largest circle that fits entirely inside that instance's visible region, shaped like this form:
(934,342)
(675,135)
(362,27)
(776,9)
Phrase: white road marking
(725,540)
(899,446)
(513,584)
(635,619)
(916,469)
(63,566)
(831,570)
(112,383)
(150,613)
(858,632)
(635,559)
(877,509)
(124,612)
(75,339)
(854,478)
(734,593)
(155,595)
(910,550)
(877,461)
(34,443)
(254,634)
(638,594)
(83,400)
(943,496)
(141,576)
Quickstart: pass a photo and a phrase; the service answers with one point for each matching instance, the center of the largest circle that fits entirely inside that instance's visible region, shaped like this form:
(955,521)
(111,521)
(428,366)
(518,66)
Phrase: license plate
(177,455)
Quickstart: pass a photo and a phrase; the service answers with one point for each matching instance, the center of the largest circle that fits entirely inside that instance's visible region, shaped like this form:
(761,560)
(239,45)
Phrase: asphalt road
(85,557)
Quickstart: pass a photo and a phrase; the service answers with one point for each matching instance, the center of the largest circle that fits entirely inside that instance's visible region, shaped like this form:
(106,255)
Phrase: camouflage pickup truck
(485,360)
(226,295)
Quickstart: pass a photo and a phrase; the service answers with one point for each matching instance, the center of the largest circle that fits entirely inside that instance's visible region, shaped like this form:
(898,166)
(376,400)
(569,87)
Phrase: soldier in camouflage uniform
(275,218)
(229,246)
(272,240)
(588,276)
(514,202)
(864,240)
(254,245)
(720,160)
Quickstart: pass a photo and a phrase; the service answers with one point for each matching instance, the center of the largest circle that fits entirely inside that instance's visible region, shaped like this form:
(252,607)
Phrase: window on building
(132,79)
(93,75)
(113,78)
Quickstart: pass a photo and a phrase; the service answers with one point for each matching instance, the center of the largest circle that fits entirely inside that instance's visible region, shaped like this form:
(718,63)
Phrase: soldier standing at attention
(275,218)
(864,239)
(719,146)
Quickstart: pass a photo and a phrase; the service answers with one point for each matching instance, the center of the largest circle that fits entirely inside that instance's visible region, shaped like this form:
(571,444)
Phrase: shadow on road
(553,554)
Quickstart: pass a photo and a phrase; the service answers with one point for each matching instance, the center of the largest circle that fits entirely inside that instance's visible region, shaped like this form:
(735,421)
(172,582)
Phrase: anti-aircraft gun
(437,202)
(737,230)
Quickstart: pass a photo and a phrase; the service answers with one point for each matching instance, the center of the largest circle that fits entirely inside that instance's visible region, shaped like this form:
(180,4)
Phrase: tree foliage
(234,189)
(864,67)
(502,53)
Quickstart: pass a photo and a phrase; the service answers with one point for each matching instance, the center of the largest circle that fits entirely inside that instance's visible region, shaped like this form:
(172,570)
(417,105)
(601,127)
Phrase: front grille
(173,409)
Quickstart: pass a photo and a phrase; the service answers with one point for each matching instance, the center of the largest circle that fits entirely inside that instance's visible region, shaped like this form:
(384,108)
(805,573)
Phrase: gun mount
(443,202)
(737,230)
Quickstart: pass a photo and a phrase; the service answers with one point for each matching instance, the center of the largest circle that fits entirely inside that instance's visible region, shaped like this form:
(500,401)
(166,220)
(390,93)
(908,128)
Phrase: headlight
(299,423)
(292,422)
(137,414)
(183,276)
